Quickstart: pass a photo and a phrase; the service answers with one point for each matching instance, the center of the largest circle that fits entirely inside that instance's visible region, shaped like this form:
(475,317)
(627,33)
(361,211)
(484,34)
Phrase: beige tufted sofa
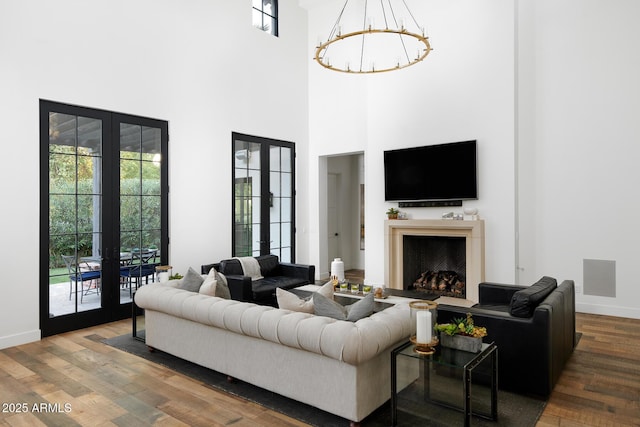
(338,366)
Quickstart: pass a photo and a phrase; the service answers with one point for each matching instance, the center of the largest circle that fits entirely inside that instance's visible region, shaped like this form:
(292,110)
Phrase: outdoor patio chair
(81,272)
(143,265)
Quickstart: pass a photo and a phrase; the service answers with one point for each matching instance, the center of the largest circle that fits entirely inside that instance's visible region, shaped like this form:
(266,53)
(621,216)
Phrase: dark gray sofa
(533,327)
(262,291)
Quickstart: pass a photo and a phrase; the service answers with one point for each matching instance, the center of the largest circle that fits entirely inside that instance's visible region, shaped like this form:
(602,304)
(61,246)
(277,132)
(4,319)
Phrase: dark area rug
(513,410)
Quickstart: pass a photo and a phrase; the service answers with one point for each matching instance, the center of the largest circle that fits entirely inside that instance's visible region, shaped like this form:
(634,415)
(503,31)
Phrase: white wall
(198,64)
(463,90)
(579,134)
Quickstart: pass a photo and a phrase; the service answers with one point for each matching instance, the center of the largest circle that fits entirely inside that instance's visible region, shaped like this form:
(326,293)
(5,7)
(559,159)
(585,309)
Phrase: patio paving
(60,304)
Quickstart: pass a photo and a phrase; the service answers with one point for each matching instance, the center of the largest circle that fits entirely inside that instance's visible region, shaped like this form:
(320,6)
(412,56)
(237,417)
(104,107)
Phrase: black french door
(104,209)
(263,197)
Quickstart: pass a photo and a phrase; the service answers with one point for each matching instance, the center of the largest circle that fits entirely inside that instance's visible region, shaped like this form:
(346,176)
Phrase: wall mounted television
(441,172)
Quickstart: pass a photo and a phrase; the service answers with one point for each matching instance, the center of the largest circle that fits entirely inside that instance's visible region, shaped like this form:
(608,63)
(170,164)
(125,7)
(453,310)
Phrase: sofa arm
(204,269)
(306,272)
(496,293)
(240,288)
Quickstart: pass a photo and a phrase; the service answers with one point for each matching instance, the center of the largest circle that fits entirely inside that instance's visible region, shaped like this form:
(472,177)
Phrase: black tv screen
(432,172)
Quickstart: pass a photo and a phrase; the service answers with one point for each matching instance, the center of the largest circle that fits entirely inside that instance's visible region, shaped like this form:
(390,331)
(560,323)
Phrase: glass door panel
(247,198)
(140,207)
(263,197)
(74,213)
(281,176)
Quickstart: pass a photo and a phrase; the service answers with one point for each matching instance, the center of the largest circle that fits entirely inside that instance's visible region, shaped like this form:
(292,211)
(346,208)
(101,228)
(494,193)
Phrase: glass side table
(456,379)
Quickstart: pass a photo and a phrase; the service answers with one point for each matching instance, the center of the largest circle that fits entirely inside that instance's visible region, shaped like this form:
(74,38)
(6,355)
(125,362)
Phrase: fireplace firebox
(460,242)
(435,264)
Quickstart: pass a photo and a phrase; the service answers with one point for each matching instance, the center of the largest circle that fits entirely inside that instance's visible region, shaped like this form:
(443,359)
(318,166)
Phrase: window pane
(254,182)
(285,209)
(274,184)
(129,213)
(287,190)
(130,141)
(130,177)
(275,235)
(62,214)
(130,240)
(257,19)
(270,25)
(286,159)
(274,212)
(62,174)
(274,158)
(150,212)
(62,133)
(286,234)
(89,136)
(87,206)
(255,238)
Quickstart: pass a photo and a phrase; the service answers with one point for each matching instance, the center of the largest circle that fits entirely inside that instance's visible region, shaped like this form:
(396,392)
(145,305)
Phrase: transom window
(265,16)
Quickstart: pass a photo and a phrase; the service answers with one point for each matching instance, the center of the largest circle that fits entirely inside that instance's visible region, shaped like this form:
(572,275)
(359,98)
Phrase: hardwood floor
(85,382)
(600,386)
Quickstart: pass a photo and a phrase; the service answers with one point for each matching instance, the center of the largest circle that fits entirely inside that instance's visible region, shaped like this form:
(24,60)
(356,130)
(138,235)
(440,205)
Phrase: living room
(548,89)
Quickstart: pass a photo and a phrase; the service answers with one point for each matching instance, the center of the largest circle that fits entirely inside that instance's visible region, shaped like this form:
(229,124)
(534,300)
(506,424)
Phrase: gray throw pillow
(361,309)
(324,306)
(222,288)
(191,281)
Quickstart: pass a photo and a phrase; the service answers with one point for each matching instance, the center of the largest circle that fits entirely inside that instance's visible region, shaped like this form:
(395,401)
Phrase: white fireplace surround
(472,231)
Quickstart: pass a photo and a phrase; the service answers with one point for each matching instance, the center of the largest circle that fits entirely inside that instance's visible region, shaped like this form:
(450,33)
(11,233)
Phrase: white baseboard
(608,310)
(19,339)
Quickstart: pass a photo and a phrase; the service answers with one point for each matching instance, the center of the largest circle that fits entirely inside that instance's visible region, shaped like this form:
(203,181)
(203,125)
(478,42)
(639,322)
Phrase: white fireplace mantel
(472,231)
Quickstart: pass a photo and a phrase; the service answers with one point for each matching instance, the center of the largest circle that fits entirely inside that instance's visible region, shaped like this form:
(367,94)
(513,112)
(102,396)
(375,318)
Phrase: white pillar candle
(423,326)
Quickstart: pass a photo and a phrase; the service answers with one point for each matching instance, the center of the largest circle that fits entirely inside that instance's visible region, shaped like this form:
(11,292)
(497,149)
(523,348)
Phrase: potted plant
(392,213)
(462,334)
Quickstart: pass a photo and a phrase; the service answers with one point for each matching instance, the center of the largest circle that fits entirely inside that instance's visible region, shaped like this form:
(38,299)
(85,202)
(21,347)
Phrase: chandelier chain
(395,21)
(411,14)
(384,13)
(364,27)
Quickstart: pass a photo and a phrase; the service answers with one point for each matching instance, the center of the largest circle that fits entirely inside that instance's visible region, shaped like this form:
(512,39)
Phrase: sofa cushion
(290,301)
(324,306)
(191,281)
(525,301)
(269,265)
(265,288)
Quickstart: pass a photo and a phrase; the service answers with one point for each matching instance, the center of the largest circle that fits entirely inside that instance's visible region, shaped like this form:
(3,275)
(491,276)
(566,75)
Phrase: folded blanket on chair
(250,267)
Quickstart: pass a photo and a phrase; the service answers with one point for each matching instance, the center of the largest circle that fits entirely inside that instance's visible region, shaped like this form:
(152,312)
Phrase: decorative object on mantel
(373,37)
(392,213)
(470,214)
(462,334)
(454,216)
(424,314)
